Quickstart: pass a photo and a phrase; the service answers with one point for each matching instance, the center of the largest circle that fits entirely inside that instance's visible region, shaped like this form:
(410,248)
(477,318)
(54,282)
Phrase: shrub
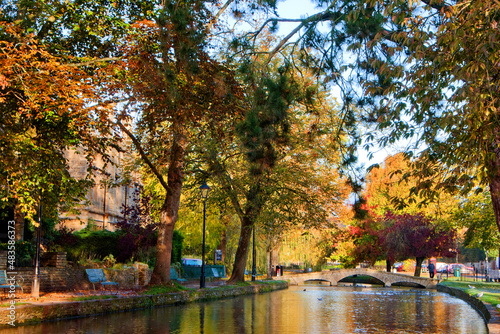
(135,239)
(140,234)
(85,244)
(25,253)
(177,246)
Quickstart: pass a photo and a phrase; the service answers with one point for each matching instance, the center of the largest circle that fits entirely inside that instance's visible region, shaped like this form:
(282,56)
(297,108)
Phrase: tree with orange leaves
(176,88)
(46,107)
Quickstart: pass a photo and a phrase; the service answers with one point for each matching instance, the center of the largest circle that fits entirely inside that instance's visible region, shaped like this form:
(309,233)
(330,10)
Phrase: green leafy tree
(263,131)
(176,87)
(475,213)
(448,95)
(280,173)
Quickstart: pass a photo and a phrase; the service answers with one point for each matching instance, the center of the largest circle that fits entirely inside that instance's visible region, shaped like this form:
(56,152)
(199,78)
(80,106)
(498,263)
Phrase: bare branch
(144,157)
(219,13)
(282,42)
(323,16)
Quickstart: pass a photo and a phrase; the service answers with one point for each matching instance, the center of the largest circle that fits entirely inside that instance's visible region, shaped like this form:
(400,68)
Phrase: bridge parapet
(334,276)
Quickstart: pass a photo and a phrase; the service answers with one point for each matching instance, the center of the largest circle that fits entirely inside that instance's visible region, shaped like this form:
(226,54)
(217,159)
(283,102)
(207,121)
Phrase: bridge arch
(409,284)
(375,280)
(318,280)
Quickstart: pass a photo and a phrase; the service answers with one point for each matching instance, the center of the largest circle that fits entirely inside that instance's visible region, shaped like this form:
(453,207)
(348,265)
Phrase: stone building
(104,203)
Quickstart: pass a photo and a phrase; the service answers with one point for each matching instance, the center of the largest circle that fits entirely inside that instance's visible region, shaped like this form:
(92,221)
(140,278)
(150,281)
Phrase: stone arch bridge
(334,276)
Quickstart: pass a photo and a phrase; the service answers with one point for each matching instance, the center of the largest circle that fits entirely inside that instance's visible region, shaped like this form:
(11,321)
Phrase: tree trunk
(240,261)
(418,266)
(19,222)
(170,209)
(275,256)
(494,177)
(269,264)
(495,199)
(223,245)
(388,265)
(271,255)
(223,238)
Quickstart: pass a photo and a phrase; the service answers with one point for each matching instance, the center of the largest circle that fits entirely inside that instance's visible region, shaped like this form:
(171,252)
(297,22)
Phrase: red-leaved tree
(367,236)
(415,236)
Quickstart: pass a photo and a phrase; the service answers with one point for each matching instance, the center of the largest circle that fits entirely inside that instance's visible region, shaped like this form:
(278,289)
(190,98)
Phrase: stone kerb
(473,301)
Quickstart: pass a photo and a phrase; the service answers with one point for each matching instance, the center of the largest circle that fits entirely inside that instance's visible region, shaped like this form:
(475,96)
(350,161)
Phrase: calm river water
(313,310)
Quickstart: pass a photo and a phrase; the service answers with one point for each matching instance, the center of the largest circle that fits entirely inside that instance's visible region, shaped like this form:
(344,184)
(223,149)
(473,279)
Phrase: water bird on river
(471,287)
(320,298)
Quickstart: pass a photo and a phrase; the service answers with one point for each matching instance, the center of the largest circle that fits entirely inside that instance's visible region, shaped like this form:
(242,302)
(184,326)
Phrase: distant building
(104,203)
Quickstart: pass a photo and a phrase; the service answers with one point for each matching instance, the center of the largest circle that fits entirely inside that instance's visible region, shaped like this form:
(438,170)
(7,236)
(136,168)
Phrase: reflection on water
(310,309)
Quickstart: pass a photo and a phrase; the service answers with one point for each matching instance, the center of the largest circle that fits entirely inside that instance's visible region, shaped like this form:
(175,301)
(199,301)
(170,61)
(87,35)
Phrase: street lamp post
(204,190)
(487,268)
(35,287)
(254,254)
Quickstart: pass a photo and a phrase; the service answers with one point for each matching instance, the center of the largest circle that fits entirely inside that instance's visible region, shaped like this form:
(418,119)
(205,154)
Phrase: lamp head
(204,190)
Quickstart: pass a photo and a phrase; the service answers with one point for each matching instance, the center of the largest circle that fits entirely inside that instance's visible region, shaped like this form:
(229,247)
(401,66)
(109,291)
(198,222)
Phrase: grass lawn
(9,304)
(83,298)
(490,290)
(162,289)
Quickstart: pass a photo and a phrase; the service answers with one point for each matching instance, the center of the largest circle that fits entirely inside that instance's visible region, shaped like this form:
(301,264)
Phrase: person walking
(432,269)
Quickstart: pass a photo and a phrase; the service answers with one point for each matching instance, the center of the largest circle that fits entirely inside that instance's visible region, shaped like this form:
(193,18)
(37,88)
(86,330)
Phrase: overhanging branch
(143,155)
(219,13)
(323,16)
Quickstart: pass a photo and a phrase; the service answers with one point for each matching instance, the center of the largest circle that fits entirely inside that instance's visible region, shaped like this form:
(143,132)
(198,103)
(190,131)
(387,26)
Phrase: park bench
(6,283)
(174,276)
(96,276)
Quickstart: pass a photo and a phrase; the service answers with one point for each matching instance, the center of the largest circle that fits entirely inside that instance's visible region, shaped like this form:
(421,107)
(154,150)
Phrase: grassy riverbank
(490,290)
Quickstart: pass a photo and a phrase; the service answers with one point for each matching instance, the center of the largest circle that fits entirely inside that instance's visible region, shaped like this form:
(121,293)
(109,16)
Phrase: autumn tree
(176,87)
(190,88)
(52,67)
(361,240)
(415,236)
(391,187)
(367,237)
(394,237)
(46,106)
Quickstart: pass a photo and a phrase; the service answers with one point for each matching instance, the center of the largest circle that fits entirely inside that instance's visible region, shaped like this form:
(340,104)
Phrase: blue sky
(295,9)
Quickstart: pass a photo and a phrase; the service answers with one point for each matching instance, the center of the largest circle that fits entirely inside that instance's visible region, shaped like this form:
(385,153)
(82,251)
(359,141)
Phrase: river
(303,309)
